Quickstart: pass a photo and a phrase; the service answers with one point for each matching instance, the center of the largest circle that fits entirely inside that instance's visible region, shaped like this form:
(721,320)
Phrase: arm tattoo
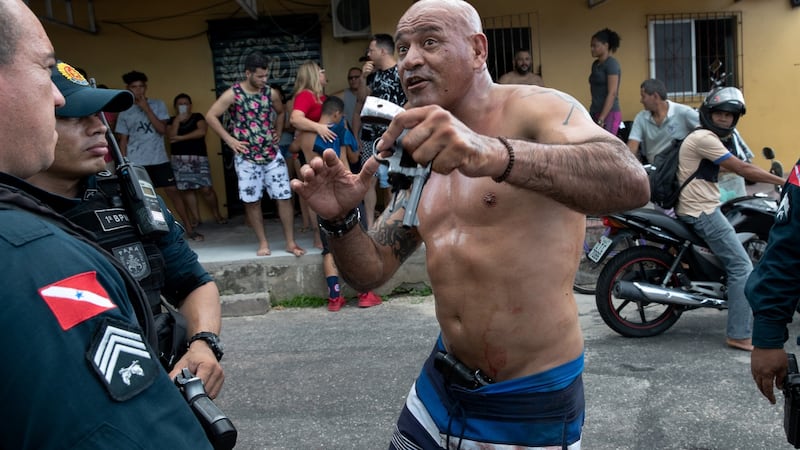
(403,241)
(569,114)
(565,97)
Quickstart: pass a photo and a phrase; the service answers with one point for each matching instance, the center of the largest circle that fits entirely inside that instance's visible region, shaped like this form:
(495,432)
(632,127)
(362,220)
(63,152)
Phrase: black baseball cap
(82,100)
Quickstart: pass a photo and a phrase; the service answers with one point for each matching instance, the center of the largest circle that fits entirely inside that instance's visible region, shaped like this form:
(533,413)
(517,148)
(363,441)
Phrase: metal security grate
(506,35)
(694,52)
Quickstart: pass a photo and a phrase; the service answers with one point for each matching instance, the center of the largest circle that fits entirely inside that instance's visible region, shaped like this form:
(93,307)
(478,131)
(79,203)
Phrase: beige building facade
(756,41)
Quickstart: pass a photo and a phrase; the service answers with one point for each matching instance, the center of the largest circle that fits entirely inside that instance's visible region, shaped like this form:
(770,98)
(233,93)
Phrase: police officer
(76,370)
(773,290)
(162,264)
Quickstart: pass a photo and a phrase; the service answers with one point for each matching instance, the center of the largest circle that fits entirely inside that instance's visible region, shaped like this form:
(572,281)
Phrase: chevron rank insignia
(122,360)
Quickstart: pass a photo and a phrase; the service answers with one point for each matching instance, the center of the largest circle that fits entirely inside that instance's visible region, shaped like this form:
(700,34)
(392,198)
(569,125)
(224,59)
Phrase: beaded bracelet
(510,165)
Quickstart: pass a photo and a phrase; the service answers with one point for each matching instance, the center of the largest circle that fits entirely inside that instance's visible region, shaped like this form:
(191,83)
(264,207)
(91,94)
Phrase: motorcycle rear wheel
(631,318)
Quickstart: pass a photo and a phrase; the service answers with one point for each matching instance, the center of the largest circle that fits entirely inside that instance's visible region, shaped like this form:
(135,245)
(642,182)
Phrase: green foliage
(308,301)
(301,301)
(414,289)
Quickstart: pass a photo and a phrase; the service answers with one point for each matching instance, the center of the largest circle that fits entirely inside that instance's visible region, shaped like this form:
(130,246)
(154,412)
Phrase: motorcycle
(643,290)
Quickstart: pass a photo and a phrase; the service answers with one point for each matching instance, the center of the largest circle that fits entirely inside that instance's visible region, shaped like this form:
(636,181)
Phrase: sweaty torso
(502,261)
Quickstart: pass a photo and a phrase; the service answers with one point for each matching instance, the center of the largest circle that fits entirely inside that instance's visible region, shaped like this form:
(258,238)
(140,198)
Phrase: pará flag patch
(794,176)
(76,299)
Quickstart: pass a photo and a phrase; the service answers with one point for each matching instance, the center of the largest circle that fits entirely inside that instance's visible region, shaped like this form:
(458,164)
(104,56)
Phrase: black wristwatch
(211,339)
(340,227)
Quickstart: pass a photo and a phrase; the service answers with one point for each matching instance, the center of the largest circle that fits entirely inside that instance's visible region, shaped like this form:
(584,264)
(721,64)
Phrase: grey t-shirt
(145,144)
(598,84)
(654,139)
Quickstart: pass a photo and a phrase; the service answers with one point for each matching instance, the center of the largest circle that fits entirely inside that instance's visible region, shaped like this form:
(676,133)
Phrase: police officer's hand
(769,367)
(200,360)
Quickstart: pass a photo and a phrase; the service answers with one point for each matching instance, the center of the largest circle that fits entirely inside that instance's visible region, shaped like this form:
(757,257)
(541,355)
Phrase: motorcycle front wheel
(634,318)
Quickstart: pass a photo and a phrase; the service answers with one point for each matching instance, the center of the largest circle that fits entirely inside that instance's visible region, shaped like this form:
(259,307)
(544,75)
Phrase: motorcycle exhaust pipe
(652,293)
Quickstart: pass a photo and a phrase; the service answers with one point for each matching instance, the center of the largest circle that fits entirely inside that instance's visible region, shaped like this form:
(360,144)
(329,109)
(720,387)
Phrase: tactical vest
(102,213)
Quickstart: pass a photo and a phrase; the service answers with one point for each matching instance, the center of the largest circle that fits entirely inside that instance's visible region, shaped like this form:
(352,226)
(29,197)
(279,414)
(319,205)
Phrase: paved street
(310,379)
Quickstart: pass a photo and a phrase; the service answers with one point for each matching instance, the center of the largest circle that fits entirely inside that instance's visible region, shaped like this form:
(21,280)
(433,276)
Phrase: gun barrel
(410,218)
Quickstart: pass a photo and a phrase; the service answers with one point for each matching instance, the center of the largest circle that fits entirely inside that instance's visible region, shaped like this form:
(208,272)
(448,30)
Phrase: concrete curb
(248,287)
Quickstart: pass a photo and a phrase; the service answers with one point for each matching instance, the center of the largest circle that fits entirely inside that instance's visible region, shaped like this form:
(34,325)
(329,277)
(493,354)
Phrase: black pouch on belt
(457,373)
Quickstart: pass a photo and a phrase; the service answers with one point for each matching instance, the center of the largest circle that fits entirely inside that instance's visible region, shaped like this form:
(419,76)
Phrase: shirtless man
(502,216)
(522,73)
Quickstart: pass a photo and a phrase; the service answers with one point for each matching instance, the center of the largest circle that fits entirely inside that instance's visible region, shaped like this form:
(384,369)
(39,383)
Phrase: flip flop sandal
(195,236)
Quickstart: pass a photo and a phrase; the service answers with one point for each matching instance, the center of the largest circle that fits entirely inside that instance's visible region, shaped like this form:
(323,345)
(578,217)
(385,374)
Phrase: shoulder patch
(134,258)
(121,359)
(794,176)
(76,299)
(782,216)
(111,219)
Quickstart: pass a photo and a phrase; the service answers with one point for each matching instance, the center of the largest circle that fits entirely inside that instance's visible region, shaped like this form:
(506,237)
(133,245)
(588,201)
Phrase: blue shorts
(541,410)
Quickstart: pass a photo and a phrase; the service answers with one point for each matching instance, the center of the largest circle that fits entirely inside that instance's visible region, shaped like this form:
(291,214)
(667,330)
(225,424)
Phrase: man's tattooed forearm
(402,240)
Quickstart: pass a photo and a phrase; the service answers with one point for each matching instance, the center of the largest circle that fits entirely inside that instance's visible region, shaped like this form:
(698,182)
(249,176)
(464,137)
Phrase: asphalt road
(310,379)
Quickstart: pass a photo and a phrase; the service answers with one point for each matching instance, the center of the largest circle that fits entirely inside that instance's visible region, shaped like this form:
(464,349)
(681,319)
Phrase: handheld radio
(138,193)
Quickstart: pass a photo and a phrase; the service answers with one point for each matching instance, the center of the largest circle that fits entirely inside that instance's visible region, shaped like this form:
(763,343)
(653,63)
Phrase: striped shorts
(544,410)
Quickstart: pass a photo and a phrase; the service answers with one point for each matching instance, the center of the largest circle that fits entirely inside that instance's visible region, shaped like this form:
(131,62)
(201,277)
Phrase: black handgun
(138,193)
(791,403)
(219,429)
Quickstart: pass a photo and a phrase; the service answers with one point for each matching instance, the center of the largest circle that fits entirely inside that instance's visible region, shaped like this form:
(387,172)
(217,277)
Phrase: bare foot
(263,251)
(318,244)
(296,250)
(740,344)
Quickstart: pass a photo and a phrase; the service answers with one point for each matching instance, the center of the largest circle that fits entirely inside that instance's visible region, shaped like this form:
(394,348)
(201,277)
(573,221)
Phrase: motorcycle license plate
(600,248)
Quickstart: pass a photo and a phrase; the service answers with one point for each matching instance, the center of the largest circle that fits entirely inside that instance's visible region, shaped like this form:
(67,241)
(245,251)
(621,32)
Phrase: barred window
(508,34)
(692,53)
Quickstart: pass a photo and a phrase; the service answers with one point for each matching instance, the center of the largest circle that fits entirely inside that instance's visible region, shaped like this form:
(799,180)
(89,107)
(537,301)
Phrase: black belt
(457,373)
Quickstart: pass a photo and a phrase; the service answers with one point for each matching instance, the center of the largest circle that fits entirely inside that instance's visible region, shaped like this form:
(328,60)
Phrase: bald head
(9,30)
(442,53)
(26,92)
(459,12)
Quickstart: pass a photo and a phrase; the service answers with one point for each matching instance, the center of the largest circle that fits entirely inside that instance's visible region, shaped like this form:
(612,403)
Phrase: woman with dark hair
(604,81)
(187,136)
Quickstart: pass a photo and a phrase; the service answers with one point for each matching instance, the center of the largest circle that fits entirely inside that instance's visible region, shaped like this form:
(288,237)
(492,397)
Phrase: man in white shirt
(660,122)
(141,130)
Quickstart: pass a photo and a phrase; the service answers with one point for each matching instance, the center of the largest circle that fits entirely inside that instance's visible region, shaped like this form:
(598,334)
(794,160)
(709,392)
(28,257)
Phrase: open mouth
(413,81)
